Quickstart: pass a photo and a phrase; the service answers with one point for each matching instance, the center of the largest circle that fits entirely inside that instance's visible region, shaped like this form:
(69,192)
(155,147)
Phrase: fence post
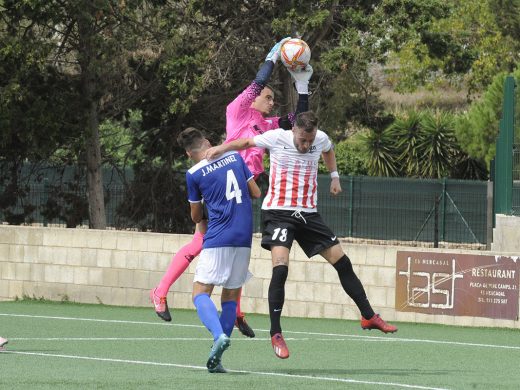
(436,223)
(45,198)
(351,204)
(489,215)
(443,209)
(504,151)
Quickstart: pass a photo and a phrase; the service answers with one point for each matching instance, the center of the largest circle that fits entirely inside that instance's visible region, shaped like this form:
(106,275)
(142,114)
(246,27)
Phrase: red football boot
(376,322)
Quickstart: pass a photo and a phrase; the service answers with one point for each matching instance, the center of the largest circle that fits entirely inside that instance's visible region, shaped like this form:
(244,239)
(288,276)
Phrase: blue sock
(208,314)
(228,316)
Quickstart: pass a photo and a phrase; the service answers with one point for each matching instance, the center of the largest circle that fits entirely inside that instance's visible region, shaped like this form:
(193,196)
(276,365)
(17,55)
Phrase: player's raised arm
(301,72)
(240,106)
(238,144)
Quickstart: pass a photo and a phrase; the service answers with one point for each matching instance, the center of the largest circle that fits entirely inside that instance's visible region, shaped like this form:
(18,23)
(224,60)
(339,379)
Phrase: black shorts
(282,227)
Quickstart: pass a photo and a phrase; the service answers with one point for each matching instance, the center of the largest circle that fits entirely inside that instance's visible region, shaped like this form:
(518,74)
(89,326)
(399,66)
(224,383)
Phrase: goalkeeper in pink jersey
(246,116)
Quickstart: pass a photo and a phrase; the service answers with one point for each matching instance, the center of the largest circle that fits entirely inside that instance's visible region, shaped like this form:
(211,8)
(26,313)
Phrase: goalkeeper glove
(301,79)
(274,54)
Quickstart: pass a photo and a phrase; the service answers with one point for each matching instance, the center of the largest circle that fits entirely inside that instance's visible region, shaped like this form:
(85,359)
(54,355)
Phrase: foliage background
(92,84)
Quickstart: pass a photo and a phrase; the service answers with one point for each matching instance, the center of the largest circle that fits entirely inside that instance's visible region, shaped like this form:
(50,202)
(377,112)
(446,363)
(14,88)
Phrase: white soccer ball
(295,54)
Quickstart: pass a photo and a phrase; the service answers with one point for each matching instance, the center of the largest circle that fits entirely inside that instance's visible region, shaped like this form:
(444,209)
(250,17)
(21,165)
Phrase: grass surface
(64,346)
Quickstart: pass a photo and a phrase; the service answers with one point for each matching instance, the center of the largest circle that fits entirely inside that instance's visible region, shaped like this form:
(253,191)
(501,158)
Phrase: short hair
(308,121)
(269,86)
(190,138)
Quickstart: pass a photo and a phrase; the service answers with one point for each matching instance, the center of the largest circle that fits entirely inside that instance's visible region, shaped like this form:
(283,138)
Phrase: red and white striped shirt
(292,178)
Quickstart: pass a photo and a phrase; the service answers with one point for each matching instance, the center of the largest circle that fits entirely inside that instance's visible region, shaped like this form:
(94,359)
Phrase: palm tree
(437,144)
(379,153)
(405,132)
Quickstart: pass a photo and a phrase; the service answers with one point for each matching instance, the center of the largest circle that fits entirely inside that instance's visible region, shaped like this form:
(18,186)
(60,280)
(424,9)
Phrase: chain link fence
(369,208)
(515,202)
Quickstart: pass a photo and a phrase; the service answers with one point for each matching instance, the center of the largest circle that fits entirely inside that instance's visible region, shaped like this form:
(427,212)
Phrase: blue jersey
(222,183)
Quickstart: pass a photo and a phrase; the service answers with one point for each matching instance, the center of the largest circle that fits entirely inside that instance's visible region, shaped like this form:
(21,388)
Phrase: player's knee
(194,248)
(230,294)
(343,264)
(277,286)
(280,273)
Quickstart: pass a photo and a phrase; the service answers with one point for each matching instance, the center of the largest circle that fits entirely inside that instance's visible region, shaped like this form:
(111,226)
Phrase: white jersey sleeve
(324,141)
(269,139)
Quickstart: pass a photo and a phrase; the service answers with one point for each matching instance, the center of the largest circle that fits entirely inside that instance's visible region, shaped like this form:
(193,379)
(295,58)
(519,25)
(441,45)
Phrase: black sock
(353,287)
(276,297)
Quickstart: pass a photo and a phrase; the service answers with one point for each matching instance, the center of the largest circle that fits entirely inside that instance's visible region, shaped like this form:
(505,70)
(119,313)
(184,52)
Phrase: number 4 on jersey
(232,188)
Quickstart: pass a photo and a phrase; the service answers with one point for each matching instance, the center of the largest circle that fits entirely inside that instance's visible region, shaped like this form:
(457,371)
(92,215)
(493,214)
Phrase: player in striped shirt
(290,213)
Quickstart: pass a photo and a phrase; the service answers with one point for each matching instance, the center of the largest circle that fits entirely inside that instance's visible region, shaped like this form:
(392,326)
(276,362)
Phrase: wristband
(334,175)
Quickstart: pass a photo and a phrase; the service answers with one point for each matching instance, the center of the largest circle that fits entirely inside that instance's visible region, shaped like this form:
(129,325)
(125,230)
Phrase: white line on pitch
(100,320)
(364,338)
(316,378)
(205,339)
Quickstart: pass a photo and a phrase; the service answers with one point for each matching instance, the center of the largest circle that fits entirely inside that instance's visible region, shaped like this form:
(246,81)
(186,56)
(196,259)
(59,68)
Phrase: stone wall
(506,234)
(120,268)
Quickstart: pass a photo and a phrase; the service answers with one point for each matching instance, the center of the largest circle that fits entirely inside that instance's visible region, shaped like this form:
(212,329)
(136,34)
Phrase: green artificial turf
(66,345)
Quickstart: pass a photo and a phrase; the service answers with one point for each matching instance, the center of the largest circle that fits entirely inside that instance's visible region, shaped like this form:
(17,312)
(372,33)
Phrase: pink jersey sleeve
(243,121)
(238,111)
(272,123)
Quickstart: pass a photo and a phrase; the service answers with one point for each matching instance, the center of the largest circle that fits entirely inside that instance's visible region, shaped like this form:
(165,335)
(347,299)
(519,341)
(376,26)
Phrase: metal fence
(374,208)
(515,202)
(38,199)
(407,209)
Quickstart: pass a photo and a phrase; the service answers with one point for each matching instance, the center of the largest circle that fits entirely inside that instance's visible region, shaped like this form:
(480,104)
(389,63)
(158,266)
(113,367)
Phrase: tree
(438,147)
(71,67)
(467,47)
(84,16)
(421,145)
(349,157)
(406,134)
(35,101)
(380,154)
(347,39)
(477,129)
(96,48)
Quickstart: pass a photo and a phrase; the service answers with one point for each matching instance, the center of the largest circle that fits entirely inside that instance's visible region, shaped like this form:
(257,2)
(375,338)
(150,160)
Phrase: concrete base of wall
(506,234)
(120,268)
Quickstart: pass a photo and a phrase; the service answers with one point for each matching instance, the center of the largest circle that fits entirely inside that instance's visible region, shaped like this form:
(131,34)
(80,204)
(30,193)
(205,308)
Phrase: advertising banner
(457,284)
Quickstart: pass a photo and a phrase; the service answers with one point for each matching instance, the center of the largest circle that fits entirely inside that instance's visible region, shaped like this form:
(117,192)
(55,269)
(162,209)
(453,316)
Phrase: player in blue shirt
(226,185)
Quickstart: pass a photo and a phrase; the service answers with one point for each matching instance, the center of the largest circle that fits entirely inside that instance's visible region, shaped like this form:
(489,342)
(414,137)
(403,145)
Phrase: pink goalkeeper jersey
(242,121)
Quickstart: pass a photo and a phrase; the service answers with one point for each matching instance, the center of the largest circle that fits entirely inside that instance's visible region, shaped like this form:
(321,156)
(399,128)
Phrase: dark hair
(307,121)
(269,86)
(190,138)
